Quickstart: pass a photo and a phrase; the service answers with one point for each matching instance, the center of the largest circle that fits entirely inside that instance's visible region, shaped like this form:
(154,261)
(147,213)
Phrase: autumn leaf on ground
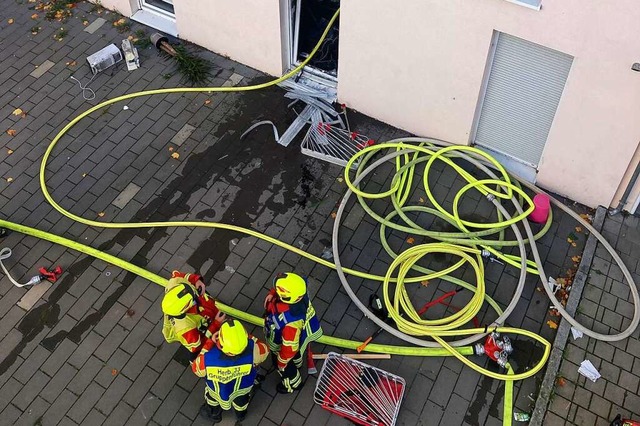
(101,214)
(11,132)
(340,179)
(573,244)
(72,64)
(333,215)
(554,312)
(552,324)
(421,200)
(411,240)
(34,16)
(207,102)
(170,148)
(18,111)
(114,372)
(424,283)
(85,23)
(576,259)
(578,228)
(84,175)
(561,381)
(10,21)
(9,151)
(9,179)
(175,155)
(586,217)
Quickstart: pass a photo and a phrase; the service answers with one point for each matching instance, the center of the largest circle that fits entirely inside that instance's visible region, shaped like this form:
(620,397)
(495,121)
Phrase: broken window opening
(312,18)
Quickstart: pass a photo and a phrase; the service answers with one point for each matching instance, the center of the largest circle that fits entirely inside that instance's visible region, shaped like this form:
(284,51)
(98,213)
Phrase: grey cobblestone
(86,401)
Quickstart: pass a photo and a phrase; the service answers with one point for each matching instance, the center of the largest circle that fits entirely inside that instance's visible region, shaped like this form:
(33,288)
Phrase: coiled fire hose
(469,246)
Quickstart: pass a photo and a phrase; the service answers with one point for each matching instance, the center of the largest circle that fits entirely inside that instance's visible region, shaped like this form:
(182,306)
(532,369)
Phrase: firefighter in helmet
(190,314)
(290,325)
(229,362)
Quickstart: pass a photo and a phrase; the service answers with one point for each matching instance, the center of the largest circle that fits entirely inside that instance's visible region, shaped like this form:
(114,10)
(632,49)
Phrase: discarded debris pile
(329,136)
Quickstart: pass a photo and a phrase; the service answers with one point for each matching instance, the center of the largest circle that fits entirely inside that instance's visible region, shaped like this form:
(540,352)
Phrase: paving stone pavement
(606,306)
(89,350)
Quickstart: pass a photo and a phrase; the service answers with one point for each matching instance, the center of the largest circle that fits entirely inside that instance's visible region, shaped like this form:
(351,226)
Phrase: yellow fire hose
(466,244)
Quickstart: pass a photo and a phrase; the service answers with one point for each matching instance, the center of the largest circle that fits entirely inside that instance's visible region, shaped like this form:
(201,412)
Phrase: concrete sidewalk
(606,306)
(88,349)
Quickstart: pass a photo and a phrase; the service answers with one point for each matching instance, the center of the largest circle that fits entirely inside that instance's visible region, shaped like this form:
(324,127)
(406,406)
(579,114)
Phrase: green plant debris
(194,69)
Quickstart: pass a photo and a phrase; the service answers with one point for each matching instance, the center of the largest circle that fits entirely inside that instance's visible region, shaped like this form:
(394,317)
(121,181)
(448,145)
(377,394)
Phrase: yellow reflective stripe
(226,405)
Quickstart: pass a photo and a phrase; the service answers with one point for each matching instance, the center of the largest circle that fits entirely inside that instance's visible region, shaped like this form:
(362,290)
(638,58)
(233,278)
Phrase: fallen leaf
(574,244)
(421,200)
(18,111)
(11,132)
(85,23)
(207,102)
(569,240)
(130,38)
(114,372)
(9,151)
(576,259)
(131,312)
(170,148)
(340,179)
(9,179)
(175,155)
(10,21)
(333,215)
(554,312)
(552,324)
(424,283)
(72,64)
(561,381)
(578,228)
(411,240)
(84,175)
(101,214)
(34,16)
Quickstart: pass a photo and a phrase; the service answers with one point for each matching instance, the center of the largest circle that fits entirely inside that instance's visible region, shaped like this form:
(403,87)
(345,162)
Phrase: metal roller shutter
(521,97)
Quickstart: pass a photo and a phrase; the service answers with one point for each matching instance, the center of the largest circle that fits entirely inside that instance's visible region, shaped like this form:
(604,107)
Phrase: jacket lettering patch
(227,374)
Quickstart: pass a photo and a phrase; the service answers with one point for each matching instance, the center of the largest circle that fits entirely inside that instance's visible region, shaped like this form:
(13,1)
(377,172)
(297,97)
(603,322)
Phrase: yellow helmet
(179,298)
(290,287)
(232,337)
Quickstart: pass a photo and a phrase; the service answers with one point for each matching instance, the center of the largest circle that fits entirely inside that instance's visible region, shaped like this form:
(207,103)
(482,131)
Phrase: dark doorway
(314,18)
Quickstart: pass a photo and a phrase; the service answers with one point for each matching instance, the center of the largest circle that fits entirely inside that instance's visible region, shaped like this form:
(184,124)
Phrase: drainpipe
(625,196)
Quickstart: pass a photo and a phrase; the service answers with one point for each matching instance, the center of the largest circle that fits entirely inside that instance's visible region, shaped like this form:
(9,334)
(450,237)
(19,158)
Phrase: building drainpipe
(625,197)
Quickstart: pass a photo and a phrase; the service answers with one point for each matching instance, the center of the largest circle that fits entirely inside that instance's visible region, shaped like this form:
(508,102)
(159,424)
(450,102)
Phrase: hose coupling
(495,347)
(489,256)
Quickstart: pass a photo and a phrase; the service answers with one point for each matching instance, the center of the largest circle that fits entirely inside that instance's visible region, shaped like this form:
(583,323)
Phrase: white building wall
(419,65)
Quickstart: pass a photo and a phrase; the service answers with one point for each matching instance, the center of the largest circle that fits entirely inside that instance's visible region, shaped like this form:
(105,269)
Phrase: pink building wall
(419,64)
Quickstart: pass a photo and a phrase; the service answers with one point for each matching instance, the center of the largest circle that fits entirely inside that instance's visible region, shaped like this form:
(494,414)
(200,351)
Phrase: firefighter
(190,314)
(229,361)
(290,325)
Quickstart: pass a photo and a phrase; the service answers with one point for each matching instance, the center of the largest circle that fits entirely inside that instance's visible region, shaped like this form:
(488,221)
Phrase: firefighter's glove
(200,286)
(270,302)
(215,325)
